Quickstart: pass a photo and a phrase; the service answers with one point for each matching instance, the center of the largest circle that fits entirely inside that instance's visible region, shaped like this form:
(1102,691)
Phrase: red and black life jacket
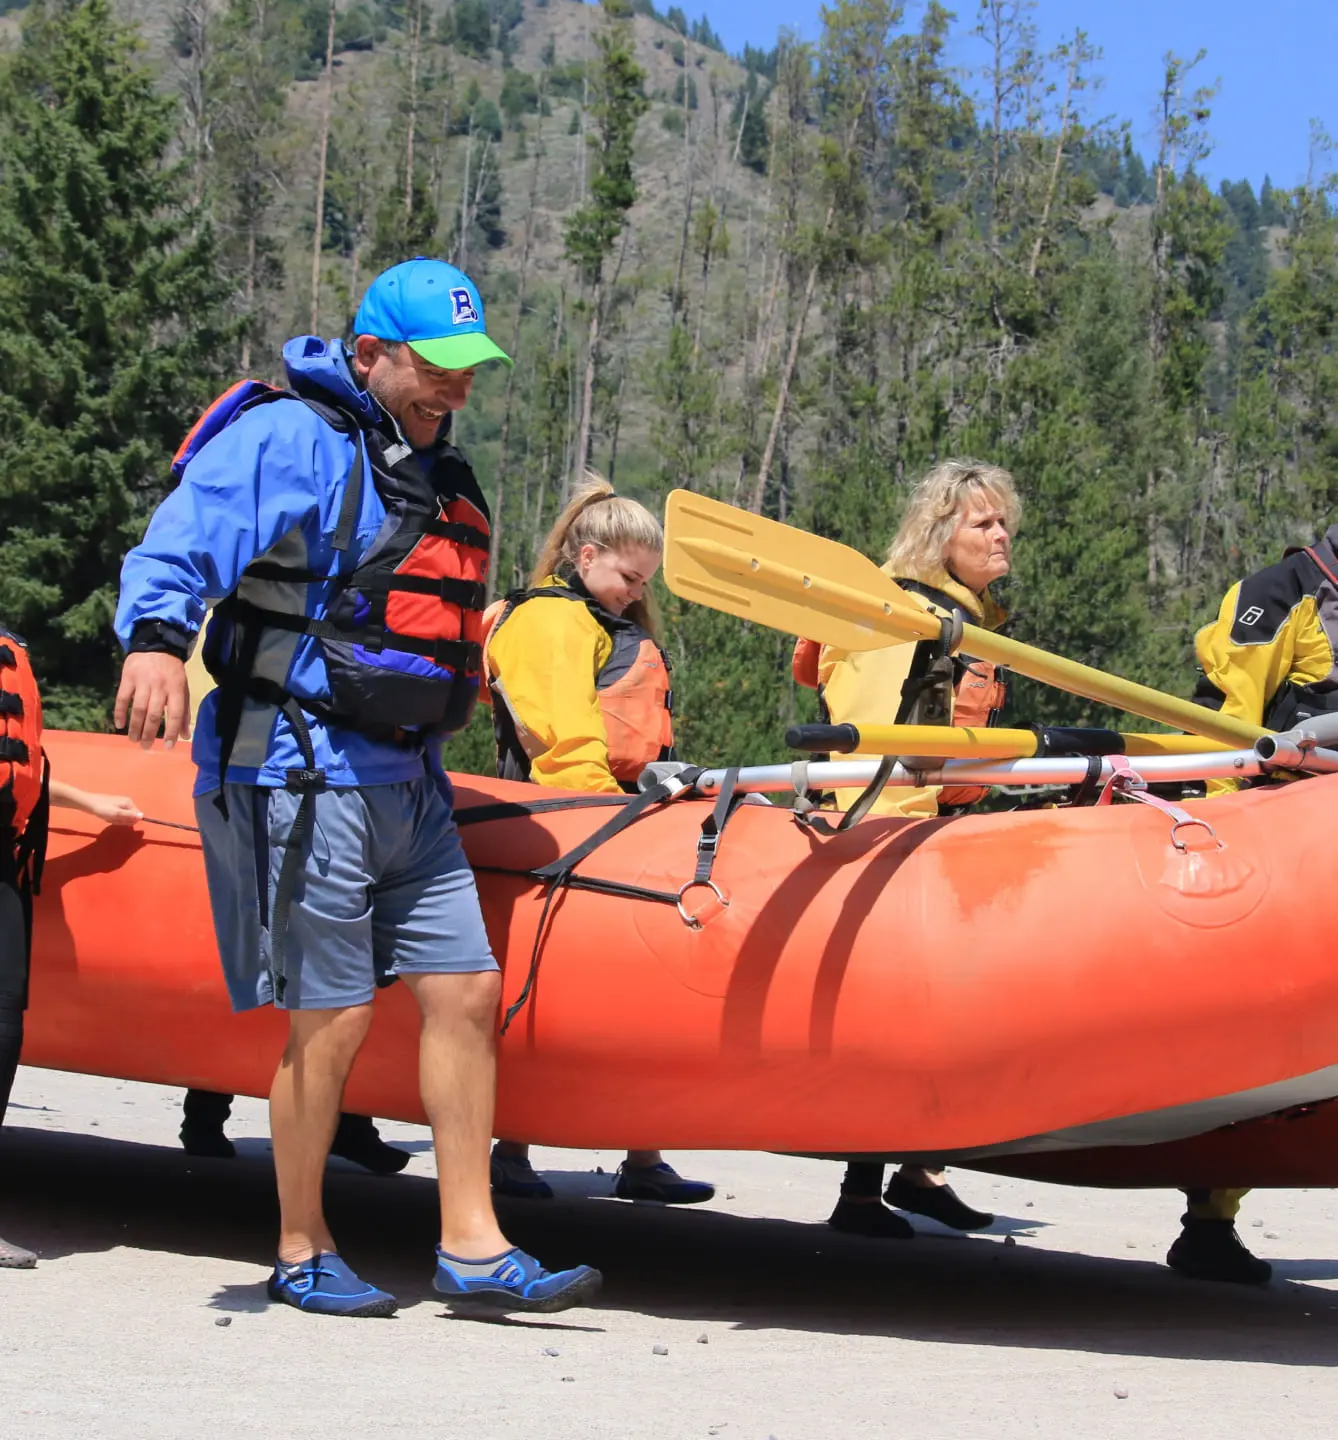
(23,769)
(401,631)
(633,689)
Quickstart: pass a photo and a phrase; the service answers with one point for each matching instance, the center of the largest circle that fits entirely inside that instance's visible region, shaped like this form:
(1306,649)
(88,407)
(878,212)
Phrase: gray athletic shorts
(384,890)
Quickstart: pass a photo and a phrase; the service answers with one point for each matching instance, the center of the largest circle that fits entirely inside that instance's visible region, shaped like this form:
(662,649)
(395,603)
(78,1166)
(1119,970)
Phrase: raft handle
(1179,825)
(691,921)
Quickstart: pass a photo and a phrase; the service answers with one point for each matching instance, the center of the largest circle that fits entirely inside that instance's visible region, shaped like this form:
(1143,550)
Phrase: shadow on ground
(72,1194)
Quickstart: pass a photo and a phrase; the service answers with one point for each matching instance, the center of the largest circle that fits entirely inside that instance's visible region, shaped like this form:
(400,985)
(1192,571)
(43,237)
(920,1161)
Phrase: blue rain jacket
(276,473)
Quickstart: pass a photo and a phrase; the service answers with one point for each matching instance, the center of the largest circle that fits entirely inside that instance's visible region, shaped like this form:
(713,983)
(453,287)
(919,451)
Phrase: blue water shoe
(324,1285)
(511,1281)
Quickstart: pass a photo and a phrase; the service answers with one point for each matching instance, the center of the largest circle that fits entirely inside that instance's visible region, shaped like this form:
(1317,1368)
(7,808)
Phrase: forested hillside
(791,279)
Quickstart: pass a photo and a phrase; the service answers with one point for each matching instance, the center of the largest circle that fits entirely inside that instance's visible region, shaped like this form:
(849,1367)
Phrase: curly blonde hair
(935,507)
(597,515)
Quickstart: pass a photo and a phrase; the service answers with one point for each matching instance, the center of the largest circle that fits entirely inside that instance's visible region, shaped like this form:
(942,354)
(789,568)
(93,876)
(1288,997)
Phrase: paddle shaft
(898,621)
(957,742)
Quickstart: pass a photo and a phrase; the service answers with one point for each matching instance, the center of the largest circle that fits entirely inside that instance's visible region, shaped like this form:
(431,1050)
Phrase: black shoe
(206,1142)
(357,1139)
(937,1202)
(870,1219)
(1211,1250)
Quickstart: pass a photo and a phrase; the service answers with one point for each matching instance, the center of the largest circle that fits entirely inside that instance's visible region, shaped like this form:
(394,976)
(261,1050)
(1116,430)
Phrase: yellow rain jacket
(864,688)
(582,722)
(1270,656)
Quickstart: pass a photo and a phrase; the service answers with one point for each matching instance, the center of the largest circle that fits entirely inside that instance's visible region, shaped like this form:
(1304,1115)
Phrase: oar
(956,742)
(786,579)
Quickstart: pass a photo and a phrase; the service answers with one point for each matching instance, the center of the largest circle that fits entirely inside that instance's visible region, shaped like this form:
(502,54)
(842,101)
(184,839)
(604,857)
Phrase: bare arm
(114,809)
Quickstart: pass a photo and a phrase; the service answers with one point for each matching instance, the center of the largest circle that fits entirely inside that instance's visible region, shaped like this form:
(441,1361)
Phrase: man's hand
(153,692)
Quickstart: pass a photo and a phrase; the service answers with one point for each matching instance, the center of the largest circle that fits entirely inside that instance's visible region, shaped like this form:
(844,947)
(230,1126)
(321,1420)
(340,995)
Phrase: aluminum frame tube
(848,774)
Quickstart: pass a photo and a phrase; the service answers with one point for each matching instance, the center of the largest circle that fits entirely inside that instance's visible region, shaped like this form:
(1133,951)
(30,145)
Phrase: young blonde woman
(581,701)
(954,542)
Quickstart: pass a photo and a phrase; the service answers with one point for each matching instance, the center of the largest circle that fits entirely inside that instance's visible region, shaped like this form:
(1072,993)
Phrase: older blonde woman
(954,542)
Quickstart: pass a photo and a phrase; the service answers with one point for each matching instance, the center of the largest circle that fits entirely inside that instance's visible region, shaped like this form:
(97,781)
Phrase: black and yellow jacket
(1271,656)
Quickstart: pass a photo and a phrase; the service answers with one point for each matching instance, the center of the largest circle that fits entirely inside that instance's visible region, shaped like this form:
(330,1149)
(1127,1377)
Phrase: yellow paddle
(952,742)
(786,579)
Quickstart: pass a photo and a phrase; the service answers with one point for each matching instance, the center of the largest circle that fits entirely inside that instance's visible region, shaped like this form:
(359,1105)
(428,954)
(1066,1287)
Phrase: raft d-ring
(691,921)
(1179,825)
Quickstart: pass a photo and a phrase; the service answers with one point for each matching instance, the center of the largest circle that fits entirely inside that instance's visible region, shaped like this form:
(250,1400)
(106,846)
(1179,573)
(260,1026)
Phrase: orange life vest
(633,689)
(23,770)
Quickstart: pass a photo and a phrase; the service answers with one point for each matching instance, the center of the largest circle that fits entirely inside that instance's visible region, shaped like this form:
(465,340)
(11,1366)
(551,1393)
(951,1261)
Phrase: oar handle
(823,739)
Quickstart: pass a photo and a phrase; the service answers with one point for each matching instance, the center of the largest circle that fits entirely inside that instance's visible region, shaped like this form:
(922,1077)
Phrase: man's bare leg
(304,1107)
(457,1064)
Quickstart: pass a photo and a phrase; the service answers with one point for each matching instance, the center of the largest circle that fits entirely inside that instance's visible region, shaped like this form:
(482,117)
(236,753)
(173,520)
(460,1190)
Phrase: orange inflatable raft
(1061,993)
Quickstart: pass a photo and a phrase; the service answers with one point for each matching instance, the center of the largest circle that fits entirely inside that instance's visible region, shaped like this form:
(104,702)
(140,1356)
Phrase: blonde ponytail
(596,515)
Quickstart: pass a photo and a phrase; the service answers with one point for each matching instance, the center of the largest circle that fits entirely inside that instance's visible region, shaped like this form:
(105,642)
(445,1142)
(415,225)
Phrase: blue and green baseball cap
(433,308)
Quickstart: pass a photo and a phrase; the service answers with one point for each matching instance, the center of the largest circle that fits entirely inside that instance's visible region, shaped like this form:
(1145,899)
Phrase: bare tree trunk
(689,184)
(787,374)
(249,290)
(499,488)
(617,421)
(194,27)
(327,107)
(415,36)
(1052,188)
(461,255)
(582,451)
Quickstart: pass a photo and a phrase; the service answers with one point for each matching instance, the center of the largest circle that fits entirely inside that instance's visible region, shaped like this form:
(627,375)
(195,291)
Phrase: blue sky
(1276,63)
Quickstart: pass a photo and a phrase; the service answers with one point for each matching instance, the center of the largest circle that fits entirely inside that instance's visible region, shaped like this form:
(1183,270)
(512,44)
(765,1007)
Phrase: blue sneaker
(511,1281)
(324,1285)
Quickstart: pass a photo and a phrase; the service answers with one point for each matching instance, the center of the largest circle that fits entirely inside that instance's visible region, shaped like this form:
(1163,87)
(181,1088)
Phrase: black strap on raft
(557,874)
(713,827)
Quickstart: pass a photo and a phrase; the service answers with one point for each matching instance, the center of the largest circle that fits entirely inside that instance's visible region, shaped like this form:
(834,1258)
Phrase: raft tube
(1060,993)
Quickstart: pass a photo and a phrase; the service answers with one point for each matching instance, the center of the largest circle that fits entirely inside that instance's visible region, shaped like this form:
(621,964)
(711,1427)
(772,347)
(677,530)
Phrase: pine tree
(111,333)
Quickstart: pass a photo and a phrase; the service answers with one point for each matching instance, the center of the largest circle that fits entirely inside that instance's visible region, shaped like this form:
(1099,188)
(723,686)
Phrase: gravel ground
(745,1319)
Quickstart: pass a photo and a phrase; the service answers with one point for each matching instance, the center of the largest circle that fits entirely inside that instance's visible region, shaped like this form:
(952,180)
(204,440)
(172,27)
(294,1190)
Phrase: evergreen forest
(791,279)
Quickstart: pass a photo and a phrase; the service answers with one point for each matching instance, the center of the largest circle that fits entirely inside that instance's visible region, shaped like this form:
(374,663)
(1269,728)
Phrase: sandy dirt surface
(147,1315)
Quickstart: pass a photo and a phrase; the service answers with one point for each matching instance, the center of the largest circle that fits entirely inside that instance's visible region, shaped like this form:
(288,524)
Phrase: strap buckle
(305,782)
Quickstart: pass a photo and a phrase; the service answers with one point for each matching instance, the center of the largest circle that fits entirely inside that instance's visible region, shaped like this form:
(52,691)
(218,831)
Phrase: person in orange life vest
(346,542)
(954,541)
(26,790)
(580,697)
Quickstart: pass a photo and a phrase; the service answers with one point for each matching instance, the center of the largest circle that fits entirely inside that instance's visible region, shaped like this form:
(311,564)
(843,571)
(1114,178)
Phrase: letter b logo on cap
(462,307)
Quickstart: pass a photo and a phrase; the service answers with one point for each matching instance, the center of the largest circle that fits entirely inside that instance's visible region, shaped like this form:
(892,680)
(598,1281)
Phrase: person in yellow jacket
(1271,658)
(580,690)
(954,541)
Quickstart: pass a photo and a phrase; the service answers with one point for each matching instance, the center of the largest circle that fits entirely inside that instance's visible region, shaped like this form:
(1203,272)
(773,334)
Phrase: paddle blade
(774,575)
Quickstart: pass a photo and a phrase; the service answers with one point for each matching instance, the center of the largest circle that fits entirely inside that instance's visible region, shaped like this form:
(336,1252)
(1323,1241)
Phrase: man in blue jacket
(346,542)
